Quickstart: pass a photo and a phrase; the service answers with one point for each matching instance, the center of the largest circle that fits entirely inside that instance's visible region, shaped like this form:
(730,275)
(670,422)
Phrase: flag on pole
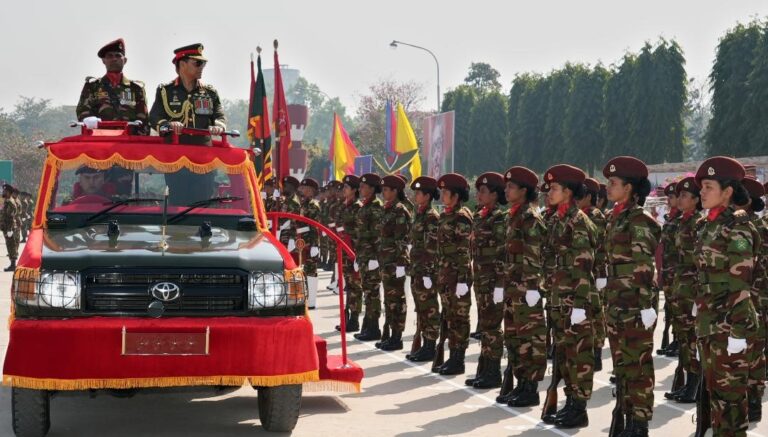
(258,121)
(405,141)
(281,123)
(343,151)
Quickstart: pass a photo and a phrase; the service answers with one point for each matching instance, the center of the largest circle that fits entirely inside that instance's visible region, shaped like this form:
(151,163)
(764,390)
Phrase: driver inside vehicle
(92,181)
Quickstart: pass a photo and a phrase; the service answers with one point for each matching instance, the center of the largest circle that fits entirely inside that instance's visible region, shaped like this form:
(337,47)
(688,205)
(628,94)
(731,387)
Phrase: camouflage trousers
(726,378)
(632,353)
(12,245)
(525,335)
(757,360)
(674,311)
(371,293)
(489,314)
(686,336)
(395,309)
(598,321)
(353,287)
(427,307)
(310,262)
(456,315)
(574,345)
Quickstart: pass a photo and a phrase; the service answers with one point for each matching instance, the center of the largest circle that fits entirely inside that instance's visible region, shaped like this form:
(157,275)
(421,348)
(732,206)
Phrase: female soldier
(725,256)
(685,286)
(393,257)
(422,268)
(573,292)
(310,255)
(367,263)
(668,266)
(454,264)
(488,263)
(346,227)
(630,244)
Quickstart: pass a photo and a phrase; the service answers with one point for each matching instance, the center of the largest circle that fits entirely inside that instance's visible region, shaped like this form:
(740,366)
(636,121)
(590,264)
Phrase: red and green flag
(259,134)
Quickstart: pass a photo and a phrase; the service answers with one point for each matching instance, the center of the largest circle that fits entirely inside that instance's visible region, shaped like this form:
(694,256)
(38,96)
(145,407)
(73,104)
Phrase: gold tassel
(332,385)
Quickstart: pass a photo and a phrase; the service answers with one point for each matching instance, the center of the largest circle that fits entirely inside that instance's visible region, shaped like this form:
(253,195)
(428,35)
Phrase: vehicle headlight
(266,290)
(59,289)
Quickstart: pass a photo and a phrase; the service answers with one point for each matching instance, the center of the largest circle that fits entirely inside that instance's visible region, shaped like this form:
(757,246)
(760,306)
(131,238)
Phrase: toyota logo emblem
(165,291)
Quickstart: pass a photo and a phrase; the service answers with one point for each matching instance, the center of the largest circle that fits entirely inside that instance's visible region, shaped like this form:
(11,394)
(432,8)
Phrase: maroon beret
(405,179)
(626,167)
(669,190)
(351,180)
(592,185)
(720,168)
(452,180)
(687,184)
(309,182)
(564,173)
(603,191)
(424,183)
(270,181)
(491,179)
(117,45)
(370,179)
(521,175)
(290,180)
(753,186)
(394,182)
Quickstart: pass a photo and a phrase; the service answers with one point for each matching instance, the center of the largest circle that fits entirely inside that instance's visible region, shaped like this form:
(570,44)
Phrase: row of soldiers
(15,221)
(571,270)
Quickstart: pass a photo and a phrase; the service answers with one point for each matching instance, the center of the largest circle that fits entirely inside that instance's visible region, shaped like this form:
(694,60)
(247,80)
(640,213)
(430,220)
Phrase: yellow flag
(343,152)
(405,141)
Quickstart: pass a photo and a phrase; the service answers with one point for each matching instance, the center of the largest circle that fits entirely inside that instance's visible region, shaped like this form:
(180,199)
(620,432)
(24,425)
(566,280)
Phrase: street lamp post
(394,44)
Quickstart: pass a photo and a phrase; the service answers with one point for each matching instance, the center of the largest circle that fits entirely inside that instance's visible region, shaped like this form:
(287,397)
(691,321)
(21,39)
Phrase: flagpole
(263,116)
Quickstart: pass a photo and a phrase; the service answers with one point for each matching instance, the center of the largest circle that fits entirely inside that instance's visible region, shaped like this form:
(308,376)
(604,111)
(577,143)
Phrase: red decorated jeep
(151,264)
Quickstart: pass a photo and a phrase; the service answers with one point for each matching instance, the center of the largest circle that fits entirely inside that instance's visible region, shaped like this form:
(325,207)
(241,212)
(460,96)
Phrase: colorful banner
(437,149)
(363,165)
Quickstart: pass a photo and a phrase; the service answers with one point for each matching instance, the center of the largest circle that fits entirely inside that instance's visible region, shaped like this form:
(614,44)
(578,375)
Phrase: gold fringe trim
(151,161)
(44,197)
(182,381)
(332,385)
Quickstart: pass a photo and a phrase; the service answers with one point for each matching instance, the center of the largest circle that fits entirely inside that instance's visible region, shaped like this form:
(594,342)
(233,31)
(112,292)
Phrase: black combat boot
(598,359)
(674,394)
(478,373)
(393,343)
(491,376)
(506,397)
(635,428)
(454,365)
(528,396)
(673,349)
(11,267)
(551,418)
(451,354)
(426,353)
(364,328)
(353,324)
(689,391)
(576,417)
(383,337)
(372,333)
(755,408)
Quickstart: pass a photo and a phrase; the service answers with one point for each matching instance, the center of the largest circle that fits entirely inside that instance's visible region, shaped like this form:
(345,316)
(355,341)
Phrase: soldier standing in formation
(310,253)
(291,204)
(346,227)
(588,204)
(454,270)
(669,266)
(335,200)
(488,244)
(368,245)
(270,195)
(394,229)
(9,225)
(113,97)
(423,267)
(630,245)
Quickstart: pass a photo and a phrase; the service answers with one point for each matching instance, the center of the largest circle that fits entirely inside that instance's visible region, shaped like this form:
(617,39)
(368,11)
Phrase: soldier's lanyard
(112,96)
(186,109)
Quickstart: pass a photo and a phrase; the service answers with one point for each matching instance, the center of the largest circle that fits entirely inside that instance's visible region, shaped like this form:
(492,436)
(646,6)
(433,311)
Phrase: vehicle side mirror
(246,224)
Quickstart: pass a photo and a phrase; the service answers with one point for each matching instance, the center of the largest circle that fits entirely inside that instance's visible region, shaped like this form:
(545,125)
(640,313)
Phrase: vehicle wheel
(31,412)
(279,407)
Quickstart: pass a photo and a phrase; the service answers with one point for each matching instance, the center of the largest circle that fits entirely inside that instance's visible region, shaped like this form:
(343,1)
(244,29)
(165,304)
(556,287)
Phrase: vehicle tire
(31,412)
(279,407)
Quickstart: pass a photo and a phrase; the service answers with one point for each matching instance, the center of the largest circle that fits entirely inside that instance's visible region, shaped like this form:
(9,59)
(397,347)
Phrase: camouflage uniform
(423,252)
(631,239)
(368,219)
(525,327)
(454,266)
(310,208)
(757,360)
(668,267)
(685,288)
(573,241)
(346,222)
(761,286)
(725,256)
(598,321)
(394,229)
(334,206)
(126,101)
(548,266)
(288,227)
(9,223)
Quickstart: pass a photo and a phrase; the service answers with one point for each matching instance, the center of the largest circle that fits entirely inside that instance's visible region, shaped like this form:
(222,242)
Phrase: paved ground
(399,398)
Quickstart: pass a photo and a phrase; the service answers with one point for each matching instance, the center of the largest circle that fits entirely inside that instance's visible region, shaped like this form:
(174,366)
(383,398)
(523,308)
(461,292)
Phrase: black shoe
(11,267)
(353,324)
(755,409)
(673,349)
(491,376)
(528,397)
(426,353)
(455,364)
(612,379)
(505,398)
(598,359)
(393,343)
(551,418)
(372,332)
(478,373)
(476,335)
(364,328)
(451,354)
(688,394)
(576,417)
(635,428)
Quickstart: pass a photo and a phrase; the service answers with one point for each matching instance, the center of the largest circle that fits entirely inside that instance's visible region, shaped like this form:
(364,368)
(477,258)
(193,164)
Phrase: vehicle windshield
(91,190)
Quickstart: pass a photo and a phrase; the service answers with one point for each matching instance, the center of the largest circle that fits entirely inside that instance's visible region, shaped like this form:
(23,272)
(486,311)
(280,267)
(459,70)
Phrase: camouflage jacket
(200,108)
(669,253)
(395,227)
(346,222)
(631,238)
(686,274)
(725,255)
(598,219)
(9,216)
(488,240)
(547,250)
(454,261)
(424,242)
(311,210)
(292,205)
(761,267)
(525,235)
(125,102)
(573,242)
(334,206)
(367,228)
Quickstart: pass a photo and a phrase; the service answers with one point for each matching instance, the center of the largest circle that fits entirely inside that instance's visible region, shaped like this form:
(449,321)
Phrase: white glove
(649,317)
(694,310)
(357,267)
(91,122)
(532,297)
(373,265)
(314,251)
(427,282)
(698,357)
(291,245)
(578,315)
(9,234)
(498,295)
(409,247)
(276,195)
(285,225)
(600,283)
(399,271)
(461,289)
(736,345)
(263,195)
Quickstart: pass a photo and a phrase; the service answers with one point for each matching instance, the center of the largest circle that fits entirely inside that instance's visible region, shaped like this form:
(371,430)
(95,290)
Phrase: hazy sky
(48,47)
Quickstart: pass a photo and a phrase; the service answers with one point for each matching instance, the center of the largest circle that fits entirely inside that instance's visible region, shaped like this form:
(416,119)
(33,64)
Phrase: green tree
(583,124)
(754,111)
(531,118)
(553,140)
(461,100)
(488,127)
(618,110)
(483,78)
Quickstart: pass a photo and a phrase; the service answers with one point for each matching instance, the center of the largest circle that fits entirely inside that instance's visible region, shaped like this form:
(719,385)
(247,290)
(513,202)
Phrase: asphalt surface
(399,398)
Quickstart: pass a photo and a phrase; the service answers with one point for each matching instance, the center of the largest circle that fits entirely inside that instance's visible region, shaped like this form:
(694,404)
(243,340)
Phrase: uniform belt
(627,269)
